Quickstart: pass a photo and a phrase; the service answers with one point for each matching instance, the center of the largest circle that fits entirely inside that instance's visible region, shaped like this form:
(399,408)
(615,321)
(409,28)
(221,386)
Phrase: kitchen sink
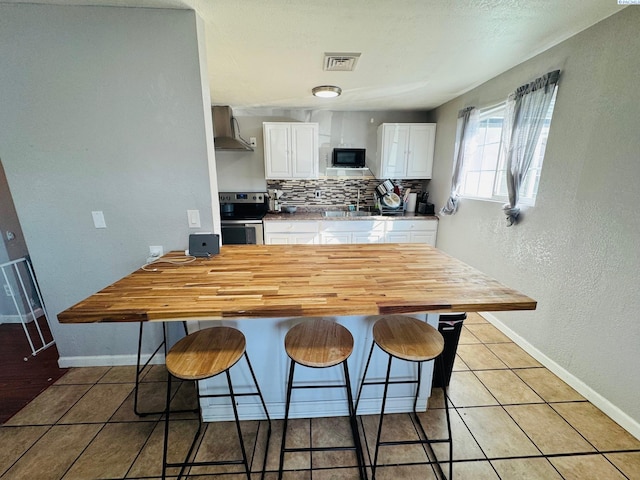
(335,213)
(359,213)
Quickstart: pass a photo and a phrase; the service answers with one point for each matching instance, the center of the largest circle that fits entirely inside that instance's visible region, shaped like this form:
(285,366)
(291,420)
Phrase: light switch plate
(98,219)
(193,218)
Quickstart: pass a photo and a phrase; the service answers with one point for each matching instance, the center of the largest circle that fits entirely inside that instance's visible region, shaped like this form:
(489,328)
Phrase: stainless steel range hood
(224,131)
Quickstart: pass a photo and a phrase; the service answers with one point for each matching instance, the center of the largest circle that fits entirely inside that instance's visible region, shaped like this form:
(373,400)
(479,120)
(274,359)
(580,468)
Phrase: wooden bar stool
(320,343)
(201,355)
(140,369)
(412,340)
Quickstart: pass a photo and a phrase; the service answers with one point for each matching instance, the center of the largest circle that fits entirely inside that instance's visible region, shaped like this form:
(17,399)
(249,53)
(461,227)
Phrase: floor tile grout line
(504,409)
(514,420)
(597,451)
(142,447)
(104,424)
(456,409)
(92,438)
(544,401)
(27,449)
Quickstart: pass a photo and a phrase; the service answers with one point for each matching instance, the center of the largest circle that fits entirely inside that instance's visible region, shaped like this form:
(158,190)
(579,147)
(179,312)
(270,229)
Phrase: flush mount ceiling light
(326,91)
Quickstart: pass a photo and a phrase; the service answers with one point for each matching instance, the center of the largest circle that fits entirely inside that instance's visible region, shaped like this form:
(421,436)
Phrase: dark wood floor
(21,381)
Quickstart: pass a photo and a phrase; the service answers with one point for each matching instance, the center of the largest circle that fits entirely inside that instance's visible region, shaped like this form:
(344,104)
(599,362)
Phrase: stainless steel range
(241,217)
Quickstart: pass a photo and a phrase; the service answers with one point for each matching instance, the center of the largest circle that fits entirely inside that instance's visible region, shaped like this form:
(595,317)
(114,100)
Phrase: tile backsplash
(336,192)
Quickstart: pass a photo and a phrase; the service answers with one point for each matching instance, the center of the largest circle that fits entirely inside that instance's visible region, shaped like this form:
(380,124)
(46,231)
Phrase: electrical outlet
(252,141)
(156,251)
(7,290)
(318,193)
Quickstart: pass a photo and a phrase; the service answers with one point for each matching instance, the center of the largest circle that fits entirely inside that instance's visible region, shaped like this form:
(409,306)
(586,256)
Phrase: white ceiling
(416,54)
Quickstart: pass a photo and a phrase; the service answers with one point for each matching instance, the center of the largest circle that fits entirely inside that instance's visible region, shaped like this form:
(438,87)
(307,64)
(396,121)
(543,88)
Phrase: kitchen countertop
(319,215)
(272,281)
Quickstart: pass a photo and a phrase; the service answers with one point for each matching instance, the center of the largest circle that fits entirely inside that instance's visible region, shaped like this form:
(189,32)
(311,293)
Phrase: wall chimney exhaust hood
(224,131)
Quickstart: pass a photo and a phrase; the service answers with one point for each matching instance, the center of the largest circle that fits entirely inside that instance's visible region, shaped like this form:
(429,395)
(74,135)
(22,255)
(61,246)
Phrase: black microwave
(348,157)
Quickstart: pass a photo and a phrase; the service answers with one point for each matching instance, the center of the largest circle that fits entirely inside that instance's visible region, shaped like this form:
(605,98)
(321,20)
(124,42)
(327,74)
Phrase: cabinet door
(277,155)
(304,150)
(411,231)
(423,237)
(395,143)
(290,238)
(398,237)
(335,238)
(420,151)
(367,237)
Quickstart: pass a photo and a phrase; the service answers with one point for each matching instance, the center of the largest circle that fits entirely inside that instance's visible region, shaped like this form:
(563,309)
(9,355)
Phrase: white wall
(102,109)
(577,252)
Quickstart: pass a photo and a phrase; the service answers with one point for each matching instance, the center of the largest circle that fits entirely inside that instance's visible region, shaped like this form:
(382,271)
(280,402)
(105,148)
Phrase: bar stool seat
(206,353)
(320,343)
(407,338)
(202,355)
(412,340)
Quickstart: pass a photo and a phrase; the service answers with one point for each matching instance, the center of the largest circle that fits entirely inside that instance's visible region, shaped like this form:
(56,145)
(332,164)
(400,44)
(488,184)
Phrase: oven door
(242,233)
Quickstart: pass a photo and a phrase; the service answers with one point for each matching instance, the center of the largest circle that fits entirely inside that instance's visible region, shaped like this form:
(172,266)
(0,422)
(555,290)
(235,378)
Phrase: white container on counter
(411,202)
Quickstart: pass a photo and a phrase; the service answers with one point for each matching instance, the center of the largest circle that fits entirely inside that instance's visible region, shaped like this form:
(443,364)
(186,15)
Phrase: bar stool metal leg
(266,412)
(364,375)
(426,345)
(165,446)
(353,423)
(238,429)
(353,420)
(286,419)
(210,343)
(140,369)
(320,343)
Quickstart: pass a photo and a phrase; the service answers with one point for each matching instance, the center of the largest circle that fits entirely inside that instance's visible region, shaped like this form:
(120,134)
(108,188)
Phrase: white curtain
(465,140)
(525,114)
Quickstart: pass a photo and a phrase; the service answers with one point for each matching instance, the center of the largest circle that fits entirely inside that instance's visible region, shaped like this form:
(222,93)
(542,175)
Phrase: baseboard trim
(108,360)
(611,410)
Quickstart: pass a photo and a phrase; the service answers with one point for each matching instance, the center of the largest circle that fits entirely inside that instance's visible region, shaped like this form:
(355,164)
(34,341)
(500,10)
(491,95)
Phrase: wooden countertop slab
(258,281)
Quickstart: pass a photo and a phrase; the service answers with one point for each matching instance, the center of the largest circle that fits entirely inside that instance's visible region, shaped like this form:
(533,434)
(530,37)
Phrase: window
(484,173)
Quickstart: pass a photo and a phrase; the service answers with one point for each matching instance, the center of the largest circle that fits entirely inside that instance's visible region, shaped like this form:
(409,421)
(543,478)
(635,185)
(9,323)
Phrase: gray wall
(577,252)
(102,109)
(244,171)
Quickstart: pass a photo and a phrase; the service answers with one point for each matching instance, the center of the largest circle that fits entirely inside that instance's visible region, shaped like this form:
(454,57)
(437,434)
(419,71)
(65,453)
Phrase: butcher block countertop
(272,281)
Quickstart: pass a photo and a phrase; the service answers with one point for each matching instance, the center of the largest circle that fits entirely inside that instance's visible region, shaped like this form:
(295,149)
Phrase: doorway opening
(28,353)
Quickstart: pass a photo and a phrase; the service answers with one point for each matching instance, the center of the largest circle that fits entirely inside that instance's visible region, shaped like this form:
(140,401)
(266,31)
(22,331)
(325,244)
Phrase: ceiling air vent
(340,62)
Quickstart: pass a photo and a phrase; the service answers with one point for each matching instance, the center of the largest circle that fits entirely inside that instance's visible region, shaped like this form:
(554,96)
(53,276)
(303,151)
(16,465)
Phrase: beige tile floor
(511,419)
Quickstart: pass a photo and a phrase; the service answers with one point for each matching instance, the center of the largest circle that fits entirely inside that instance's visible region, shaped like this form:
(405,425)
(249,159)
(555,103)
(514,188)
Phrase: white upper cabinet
(290,150)
(405,150)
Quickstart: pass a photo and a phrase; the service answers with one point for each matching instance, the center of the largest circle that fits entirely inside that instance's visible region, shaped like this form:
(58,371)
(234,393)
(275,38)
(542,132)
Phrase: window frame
(499,171)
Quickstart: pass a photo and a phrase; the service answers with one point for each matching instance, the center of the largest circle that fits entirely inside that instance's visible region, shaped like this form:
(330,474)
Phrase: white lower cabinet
(411,231)
(294,232)
(357,231)
(350,231)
